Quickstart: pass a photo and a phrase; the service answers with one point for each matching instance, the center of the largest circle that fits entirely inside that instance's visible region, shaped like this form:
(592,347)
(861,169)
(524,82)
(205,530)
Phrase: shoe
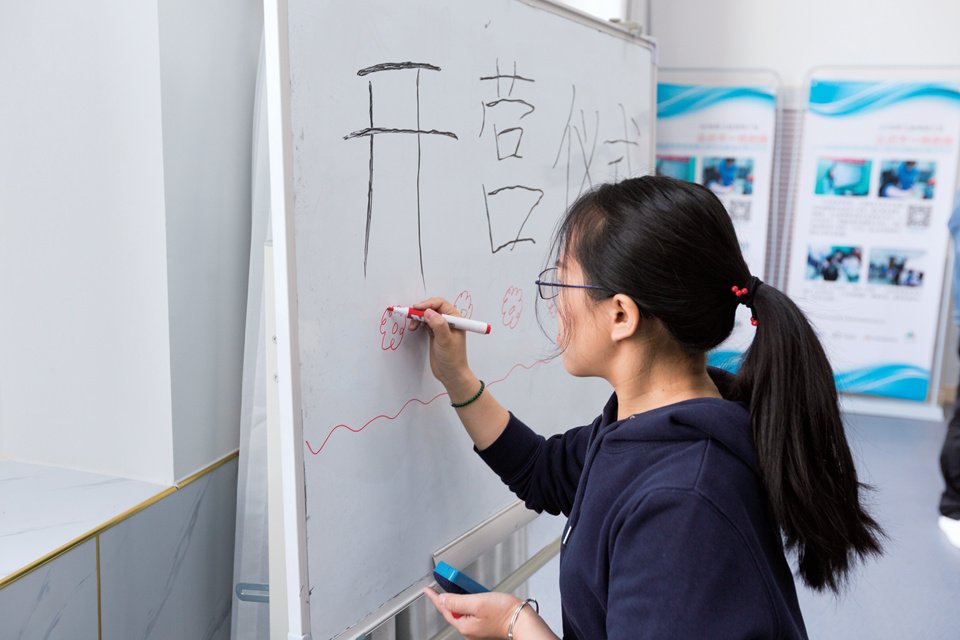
(951,528)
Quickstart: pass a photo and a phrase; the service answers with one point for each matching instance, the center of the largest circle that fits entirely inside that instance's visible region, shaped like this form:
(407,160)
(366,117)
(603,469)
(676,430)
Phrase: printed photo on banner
(843,176)
(898,267)
(907,179)
(679,167)
(728,175)
(834,263)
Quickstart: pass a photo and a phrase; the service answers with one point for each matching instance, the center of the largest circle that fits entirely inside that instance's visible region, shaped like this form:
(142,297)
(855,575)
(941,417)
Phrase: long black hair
(671,246)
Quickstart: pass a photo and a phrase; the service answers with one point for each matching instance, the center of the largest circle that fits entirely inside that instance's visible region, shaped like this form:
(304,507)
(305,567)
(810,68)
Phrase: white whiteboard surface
(465,209)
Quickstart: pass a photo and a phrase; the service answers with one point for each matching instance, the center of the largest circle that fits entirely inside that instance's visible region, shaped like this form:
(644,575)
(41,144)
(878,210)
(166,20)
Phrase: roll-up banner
(874,189)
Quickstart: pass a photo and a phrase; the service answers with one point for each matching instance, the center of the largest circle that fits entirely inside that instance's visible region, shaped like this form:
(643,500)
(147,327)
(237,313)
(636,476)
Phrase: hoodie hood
(723,421)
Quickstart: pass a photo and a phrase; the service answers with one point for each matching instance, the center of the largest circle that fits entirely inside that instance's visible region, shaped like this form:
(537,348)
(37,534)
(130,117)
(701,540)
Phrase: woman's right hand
(448,347)
(483,417)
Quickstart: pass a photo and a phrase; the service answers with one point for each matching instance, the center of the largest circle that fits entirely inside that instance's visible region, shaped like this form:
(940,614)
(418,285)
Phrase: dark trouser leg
(950,463)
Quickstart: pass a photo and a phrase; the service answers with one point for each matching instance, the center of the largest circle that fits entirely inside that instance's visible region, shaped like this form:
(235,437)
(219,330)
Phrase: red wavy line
(417,400)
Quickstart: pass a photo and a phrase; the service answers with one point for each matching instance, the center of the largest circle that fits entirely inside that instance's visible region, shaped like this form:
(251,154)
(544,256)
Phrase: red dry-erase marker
(464,324)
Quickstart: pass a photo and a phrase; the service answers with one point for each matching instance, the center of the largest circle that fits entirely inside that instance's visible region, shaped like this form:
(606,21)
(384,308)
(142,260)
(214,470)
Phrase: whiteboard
(434,147)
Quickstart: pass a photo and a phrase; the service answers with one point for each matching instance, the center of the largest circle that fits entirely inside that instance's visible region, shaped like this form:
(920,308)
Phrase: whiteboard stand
(275,525)
(389,609)
(462,552)
(466,549)
(284,281)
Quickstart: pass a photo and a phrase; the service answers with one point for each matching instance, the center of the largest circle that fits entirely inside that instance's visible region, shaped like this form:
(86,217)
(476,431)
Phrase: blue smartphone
(454,581)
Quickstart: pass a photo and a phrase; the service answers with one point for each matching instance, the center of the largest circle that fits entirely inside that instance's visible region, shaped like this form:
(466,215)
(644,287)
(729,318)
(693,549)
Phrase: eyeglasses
(549,289)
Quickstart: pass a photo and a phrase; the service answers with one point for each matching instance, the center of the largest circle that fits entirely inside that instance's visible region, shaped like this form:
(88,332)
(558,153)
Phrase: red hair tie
(747,294)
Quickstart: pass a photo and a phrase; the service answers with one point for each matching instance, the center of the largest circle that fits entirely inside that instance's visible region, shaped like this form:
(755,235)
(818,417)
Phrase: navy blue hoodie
(668,534)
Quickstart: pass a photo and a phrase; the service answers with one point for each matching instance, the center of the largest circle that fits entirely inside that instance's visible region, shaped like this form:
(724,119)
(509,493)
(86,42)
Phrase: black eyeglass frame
(541,283)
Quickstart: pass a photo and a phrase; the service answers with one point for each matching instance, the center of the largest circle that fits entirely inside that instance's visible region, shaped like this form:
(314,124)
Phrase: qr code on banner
(739,210)
(918,216)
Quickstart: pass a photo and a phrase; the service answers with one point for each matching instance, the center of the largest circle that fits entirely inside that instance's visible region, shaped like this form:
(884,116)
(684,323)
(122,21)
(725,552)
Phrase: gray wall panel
(58,601)
(167,572)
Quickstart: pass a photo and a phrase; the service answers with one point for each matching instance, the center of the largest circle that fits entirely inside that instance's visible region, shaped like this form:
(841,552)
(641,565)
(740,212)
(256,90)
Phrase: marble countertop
(43,508)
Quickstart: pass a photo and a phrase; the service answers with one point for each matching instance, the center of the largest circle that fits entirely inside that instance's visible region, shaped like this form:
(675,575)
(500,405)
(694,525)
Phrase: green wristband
(460,405)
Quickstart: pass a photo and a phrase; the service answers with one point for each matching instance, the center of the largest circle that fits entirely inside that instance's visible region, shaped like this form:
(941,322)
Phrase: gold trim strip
(132,511)
(213,467)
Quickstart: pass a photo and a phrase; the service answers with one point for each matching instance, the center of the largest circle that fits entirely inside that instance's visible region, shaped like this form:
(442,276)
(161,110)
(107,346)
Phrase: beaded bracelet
(460,405)
(516,614)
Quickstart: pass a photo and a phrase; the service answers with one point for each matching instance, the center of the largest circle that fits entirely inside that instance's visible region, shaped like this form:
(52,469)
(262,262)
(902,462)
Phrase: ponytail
(808,472)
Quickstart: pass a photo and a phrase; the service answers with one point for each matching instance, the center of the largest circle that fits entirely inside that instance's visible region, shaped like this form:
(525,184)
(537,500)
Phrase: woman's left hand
(484,616)
(478,616)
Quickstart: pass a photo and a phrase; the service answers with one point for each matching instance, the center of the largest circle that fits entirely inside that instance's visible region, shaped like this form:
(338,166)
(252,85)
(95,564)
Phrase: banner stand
(865,405)
(869,257)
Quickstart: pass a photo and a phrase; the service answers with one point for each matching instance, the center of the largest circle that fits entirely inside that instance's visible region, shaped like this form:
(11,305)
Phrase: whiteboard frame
(620,30)
(280,136)
(289,414)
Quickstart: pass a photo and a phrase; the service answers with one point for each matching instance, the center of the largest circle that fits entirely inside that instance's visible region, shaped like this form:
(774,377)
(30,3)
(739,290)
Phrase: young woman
(683,494)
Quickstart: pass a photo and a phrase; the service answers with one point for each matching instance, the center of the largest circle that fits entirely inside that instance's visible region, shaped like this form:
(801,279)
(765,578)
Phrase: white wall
(793,37)
(84,361)
(125,154)
(208,57)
